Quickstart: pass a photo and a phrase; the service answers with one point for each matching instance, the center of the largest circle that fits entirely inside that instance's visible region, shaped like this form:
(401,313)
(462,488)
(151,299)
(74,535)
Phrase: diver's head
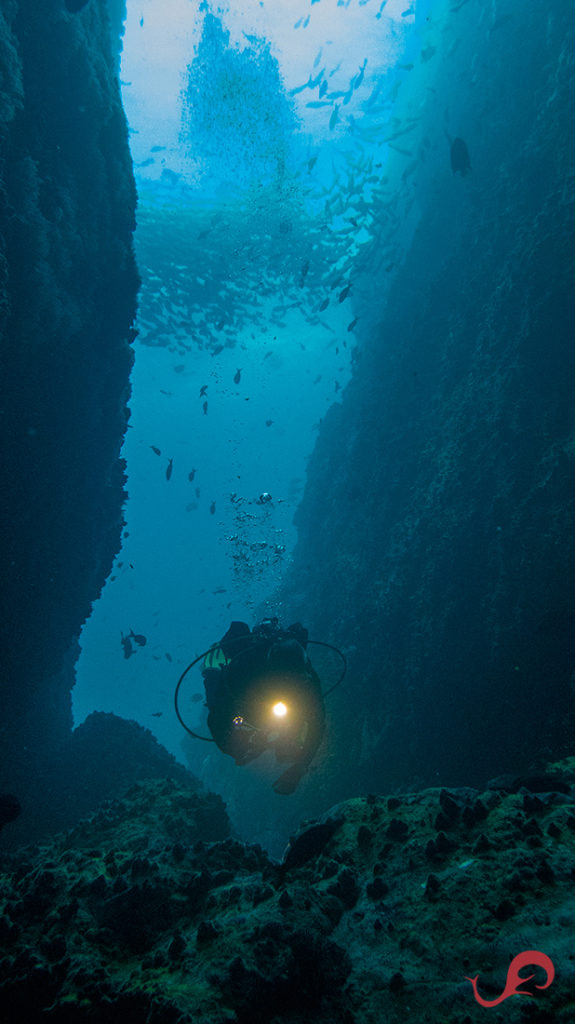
(267,627)
(286,655)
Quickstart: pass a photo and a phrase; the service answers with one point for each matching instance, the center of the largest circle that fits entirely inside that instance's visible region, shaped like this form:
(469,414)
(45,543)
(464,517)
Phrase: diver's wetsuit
(249,674)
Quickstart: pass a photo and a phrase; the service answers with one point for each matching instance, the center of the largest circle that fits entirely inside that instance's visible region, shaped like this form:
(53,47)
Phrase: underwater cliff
(436,530)
(68,285)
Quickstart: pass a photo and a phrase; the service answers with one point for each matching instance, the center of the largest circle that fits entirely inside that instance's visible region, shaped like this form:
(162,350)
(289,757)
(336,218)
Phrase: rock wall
(389,909)
(68,286)
(436,535)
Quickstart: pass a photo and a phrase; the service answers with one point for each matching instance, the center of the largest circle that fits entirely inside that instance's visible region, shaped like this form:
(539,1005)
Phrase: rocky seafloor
(151,912)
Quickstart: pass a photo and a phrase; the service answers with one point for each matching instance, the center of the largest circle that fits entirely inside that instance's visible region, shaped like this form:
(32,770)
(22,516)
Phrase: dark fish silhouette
(205,408)
(156,450)
(138,638)
(237,376)
(127,645)
(213,508)
(203,390)
(191,475)
(460,162)
(169,469)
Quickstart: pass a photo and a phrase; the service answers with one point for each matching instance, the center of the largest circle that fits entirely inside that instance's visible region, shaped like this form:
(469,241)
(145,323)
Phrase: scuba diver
(262,693)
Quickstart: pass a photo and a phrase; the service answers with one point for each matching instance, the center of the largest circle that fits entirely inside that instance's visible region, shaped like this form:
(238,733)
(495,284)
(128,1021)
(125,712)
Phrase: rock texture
(150,912)
(68,285)
(97,761)
(436,533)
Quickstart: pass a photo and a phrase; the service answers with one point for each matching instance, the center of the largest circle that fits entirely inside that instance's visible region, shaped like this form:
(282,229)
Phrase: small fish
(460,162)
(306,85)
(269,423)
(344,294)
(126,644)
(334,117)
(138,638)
(351,326)
(205,408)
(203,390)
(169,468)
(324,305)
(237,376)
(168,657)
(191,475)
(359,77)
(213,508)
(156,450)
(157,714)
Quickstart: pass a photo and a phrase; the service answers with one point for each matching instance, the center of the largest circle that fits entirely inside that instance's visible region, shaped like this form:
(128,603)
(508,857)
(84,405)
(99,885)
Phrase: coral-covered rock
(148,911)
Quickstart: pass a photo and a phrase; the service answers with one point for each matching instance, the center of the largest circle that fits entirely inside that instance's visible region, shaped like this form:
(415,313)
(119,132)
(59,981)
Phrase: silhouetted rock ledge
(150,912)
(100,760)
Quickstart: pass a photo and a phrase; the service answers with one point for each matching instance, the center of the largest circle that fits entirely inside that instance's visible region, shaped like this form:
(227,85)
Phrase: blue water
(257,215)
(283,167)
